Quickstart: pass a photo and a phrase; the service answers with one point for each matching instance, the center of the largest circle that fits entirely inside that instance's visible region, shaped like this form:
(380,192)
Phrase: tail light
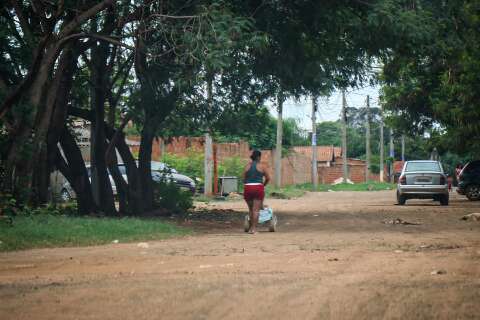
(403,180)
(442,180)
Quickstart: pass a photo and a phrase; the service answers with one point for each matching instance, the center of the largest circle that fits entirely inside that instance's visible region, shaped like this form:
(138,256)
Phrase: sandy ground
(332,258)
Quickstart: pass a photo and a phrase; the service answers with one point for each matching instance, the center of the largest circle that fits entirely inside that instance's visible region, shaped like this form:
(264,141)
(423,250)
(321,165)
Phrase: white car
(160,172)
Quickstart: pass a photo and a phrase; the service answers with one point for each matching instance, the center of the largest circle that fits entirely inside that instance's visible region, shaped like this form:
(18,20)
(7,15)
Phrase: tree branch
(78,20)
(27,31)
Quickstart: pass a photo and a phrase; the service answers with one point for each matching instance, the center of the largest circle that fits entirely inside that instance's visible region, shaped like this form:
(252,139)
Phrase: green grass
(42,231)
(295,191)
(367,186)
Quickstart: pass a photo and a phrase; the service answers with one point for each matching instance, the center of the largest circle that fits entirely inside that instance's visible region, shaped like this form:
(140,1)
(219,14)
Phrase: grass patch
(366,186)
(287,192)
(295,191)
(45,231)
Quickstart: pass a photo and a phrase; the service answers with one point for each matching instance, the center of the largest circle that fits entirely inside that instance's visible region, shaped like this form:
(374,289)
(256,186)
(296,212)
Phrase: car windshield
(422,166)
(160,166)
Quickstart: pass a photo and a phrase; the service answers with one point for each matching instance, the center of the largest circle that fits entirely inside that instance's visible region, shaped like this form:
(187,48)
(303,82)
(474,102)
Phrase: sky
(328,108)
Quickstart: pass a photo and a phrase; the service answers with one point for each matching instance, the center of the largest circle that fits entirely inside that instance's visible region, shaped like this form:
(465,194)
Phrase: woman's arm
(267,175)
(245,170)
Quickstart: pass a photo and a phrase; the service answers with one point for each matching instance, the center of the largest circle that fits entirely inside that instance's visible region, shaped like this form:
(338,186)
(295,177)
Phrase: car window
(123,169)
(422,166)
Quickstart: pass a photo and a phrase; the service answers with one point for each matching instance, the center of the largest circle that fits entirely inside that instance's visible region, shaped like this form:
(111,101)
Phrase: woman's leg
(250,209)
(257,203)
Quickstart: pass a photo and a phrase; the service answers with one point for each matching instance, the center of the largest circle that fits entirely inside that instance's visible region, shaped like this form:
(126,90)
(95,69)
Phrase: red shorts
(253,191)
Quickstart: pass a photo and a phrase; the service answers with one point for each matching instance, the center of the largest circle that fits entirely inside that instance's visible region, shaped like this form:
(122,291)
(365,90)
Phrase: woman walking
(255,178)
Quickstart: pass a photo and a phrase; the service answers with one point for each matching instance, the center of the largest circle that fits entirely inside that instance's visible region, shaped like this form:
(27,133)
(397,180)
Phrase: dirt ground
(335,256)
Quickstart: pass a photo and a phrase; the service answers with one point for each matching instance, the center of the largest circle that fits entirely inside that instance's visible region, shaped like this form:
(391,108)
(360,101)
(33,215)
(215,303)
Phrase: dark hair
(255,155)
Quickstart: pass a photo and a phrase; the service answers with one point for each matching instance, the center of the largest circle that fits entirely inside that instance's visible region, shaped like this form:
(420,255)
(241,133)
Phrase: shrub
(232,167)
(190,165)
(171,198)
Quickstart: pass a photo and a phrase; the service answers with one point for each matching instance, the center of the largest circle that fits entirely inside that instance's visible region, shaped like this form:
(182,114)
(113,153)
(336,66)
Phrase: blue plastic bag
(265,215)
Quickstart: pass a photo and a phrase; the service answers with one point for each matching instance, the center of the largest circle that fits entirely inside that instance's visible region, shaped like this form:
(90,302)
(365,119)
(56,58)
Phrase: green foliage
(191,165)
(169,197)
(434,87)
(298,190)
(232,167)
(8,205)
(46,231)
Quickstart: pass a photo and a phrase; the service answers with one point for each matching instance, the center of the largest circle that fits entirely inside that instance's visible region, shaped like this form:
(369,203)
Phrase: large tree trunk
(75,171)
(27,150)
(144,163)
(102,188)
(134,199)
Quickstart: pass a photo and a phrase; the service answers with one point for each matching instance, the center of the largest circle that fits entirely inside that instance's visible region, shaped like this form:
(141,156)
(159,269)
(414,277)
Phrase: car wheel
(401,199)
(444,200)
(473,192)
(65,195)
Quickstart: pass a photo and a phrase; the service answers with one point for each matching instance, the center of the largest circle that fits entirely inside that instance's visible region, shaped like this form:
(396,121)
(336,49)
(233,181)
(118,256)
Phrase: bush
(232,167)
(190,165)
(171,198)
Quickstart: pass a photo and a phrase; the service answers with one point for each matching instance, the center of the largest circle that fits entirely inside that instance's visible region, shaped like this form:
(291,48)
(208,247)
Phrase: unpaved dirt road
(333,258)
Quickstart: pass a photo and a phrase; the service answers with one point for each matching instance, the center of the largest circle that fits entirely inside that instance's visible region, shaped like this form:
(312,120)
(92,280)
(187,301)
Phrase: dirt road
(334,257)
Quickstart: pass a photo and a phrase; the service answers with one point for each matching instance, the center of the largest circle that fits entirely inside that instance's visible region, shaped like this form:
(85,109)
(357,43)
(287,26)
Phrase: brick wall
(182,145)
(296,167)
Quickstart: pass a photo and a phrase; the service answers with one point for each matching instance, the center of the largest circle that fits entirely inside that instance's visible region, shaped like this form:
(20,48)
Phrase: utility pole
(367,140)
(207,189)
(403,147)
(278,146)
(208,162)
(381,145)
(314,144)
(392,155)
(344,137)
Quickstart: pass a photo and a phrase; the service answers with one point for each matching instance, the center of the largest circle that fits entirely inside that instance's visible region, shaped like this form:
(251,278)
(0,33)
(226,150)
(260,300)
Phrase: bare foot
(252,231)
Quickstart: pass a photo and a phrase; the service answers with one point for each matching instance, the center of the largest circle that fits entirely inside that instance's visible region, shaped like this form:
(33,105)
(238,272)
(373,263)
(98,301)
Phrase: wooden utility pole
(403,147)
(215,170)
(314,144)
(344,137)
(381,146)
(278,146)
(208,165)
(367,140)
(392,155)
(208,162)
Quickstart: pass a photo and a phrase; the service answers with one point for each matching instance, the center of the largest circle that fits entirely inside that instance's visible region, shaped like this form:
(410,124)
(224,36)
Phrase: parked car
(469,180)
(422,179)
(160,172)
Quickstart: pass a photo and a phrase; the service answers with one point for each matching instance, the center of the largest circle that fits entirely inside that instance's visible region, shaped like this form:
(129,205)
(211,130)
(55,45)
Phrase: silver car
(160,172)
(422,179)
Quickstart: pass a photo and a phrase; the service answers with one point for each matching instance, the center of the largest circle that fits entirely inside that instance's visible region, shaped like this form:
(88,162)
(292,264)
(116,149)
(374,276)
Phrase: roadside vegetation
(48,230)
(298,190)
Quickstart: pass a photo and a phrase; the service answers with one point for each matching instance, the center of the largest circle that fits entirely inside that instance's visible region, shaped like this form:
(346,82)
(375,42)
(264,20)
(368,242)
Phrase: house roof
(324,153)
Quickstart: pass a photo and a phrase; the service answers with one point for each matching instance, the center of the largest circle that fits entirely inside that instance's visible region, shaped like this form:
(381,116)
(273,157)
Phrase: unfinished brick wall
(182,145)
(296,167)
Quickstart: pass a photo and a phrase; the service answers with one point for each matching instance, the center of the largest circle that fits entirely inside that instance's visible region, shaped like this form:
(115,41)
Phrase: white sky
(328,108)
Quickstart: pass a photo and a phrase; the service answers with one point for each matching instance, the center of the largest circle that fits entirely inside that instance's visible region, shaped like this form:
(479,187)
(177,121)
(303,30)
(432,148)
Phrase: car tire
(473,192)
(401,199)
(444,200)
(65,195)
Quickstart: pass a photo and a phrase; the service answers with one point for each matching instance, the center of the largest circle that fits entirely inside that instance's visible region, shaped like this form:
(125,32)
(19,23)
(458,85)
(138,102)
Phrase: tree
(433,87)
